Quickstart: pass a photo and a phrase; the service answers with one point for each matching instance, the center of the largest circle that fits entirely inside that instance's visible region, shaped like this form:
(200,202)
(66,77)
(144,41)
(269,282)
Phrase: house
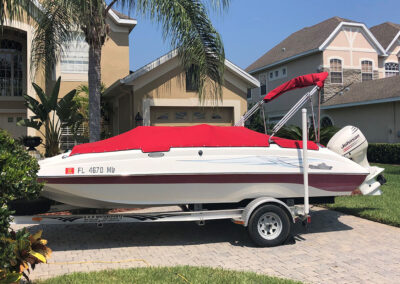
(158,94)
(353,55)
(16,74)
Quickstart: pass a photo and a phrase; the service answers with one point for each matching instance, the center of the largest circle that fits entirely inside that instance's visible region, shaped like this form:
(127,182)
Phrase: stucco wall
(281,105)
(352,45)
(169,90)
(14,106)
(378,122)
(114,64)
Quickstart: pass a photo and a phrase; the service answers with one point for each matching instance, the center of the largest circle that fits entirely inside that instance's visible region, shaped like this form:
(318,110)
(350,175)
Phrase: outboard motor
(352,144)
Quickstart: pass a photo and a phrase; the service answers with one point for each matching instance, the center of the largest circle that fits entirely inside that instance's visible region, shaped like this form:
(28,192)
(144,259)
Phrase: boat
(204,164)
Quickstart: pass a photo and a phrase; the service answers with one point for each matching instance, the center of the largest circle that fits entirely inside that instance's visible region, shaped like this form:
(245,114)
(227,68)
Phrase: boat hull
(183,176)
(116,192)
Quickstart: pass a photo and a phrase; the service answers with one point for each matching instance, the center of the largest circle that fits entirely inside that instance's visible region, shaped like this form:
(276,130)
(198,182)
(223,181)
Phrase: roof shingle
(385,33)
(122,16)
(306,39)
(385,88)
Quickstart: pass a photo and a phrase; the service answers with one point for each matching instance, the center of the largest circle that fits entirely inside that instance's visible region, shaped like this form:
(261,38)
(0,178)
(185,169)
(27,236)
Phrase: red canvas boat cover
(162,138)
(298,82)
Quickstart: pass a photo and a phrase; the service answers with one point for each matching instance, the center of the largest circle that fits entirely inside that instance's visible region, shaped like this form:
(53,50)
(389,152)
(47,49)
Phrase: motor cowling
(351,143)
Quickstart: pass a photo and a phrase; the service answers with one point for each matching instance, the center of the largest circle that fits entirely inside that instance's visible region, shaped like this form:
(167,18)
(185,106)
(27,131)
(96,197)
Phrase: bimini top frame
(315,79)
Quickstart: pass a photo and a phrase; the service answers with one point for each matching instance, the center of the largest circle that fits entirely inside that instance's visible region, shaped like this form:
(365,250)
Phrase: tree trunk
(94,91)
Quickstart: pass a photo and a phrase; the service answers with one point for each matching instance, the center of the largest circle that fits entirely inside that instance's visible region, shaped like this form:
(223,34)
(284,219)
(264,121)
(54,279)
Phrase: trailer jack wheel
(269,226)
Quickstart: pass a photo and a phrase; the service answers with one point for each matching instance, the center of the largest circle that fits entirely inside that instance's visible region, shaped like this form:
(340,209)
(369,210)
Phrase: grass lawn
(384,208)
(179,274)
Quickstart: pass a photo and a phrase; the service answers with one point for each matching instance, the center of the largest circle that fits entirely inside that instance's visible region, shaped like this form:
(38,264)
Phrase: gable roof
(128,80)
(118,17)
(304,40)
(386,33)
(307,41)
(369,92)
(172,54)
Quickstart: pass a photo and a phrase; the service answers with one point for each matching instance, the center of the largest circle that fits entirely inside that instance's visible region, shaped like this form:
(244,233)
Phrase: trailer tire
(269,226)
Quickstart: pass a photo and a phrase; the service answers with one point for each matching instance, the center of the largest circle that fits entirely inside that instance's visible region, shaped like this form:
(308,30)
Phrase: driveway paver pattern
(335,248)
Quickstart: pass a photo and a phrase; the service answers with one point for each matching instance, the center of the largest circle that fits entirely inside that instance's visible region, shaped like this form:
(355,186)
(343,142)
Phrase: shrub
(51,114)
(384,153)
(18,171)
(18,180)
(295,132)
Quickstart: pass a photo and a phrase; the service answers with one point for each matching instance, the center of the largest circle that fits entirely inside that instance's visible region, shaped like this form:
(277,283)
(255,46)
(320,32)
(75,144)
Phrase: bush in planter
(18,180)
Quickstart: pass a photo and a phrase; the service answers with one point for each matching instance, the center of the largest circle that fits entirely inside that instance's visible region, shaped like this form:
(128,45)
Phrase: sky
(250,28)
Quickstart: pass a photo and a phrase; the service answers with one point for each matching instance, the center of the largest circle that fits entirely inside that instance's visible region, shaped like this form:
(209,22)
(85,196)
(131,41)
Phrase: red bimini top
(162,138)
(298,82)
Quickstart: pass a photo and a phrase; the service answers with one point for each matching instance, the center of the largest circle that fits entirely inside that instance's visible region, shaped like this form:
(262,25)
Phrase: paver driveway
(337,248)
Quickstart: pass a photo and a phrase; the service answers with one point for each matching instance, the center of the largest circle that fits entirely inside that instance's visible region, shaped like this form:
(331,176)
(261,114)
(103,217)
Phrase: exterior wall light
(138,119)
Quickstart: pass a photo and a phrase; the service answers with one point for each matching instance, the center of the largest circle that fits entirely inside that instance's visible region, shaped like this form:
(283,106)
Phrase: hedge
(384,153)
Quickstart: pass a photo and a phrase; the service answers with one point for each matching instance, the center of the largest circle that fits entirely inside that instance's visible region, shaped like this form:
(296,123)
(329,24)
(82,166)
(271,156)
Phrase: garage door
(184,116)
(9,121)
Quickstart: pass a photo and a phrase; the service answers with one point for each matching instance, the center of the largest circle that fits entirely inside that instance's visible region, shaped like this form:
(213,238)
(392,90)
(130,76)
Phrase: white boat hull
(194,175)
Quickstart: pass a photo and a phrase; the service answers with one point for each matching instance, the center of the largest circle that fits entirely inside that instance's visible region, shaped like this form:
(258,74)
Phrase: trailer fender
(248,210)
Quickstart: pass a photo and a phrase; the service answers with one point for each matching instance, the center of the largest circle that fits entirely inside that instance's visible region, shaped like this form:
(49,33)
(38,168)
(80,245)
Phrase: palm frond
(42,96)
(52,29)
(187,25)
(52,100)
(36,107)
(36,124)
(10,9)
(66,107)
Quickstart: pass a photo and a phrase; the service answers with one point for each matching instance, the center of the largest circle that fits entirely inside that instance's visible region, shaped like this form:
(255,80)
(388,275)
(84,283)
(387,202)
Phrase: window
(199,115)
(263,85)
(248,93)
(191,80)
(181,115)
(10,119)
(326,121)
(278,73)
(336,71)
(75,55)
(162,116)
(366,70)
(67,139)
(391,69)
(10,68)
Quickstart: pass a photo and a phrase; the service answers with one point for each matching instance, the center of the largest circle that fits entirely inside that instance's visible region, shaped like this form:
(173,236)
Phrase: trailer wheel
(269,226)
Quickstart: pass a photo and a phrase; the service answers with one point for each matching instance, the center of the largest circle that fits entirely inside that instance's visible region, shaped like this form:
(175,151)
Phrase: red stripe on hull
(328,182)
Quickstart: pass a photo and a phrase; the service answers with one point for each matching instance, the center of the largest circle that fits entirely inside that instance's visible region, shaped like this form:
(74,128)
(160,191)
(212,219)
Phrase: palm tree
(53,114)
(82,99)
(184,22)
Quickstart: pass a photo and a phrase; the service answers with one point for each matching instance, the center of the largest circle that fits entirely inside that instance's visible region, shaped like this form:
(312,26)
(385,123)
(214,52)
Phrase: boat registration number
(96,170)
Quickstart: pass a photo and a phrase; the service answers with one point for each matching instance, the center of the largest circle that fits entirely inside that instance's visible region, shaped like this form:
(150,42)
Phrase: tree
(82,99)
(53,114)
(184,22)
